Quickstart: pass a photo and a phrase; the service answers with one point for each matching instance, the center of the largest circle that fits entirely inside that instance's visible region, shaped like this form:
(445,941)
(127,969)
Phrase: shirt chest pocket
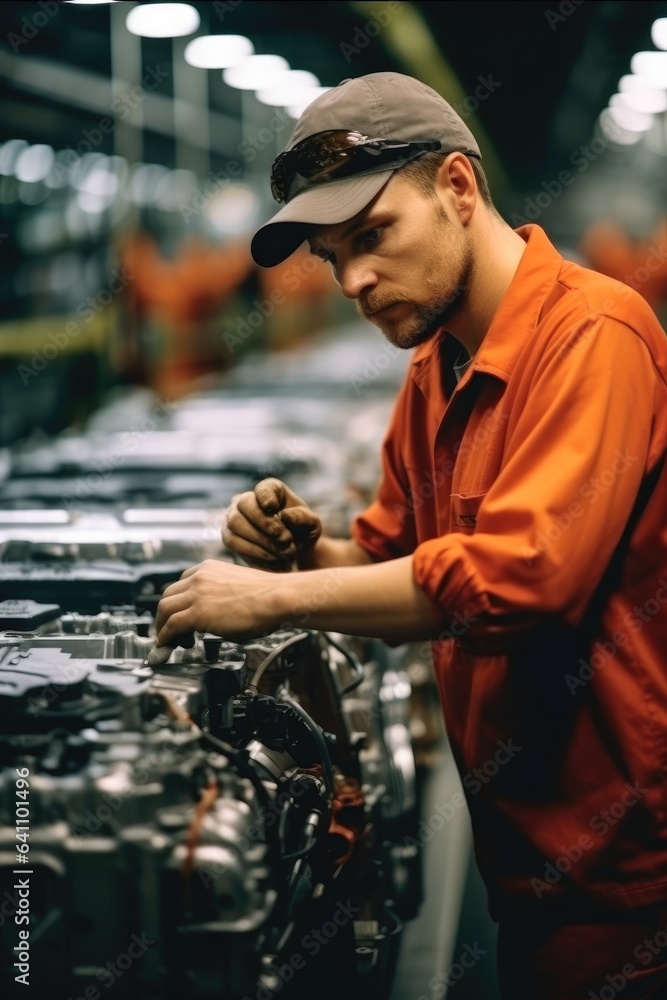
(463,511)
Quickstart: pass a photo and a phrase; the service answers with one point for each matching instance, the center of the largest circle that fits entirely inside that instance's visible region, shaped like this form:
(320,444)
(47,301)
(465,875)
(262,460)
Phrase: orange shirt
(533,495)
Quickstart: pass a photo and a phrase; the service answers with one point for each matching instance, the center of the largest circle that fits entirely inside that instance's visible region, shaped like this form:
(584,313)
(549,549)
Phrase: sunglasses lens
(313,157)
(336,154)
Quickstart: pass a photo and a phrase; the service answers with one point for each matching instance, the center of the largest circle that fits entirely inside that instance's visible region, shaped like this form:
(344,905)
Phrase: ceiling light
(288,88)
(233,210)
(650,100)
(659,33)
(652,65)
(631,121)
(34,163)
(611,130)
(217,51)
(307,98)
(9,154)
(162,20)
(255,72)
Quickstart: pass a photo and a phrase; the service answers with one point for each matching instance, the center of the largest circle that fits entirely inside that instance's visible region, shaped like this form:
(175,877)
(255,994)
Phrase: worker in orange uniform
(520,524)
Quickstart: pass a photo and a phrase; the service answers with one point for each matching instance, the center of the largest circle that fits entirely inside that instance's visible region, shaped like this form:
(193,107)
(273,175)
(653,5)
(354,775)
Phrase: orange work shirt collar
(513,323)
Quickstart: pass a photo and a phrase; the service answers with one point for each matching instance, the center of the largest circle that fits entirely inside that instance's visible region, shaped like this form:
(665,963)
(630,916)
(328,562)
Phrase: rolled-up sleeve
(547,528)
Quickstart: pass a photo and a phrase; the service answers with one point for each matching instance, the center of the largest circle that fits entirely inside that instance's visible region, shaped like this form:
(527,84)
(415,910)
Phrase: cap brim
(326,204)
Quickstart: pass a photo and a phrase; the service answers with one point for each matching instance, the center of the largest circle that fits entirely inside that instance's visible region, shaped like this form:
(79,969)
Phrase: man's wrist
(283,602)
(307,558)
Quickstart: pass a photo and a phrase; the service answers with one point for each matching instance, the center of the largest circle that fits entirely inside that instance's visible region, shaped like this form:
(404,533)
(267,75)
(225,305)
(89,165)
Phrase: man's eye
(370,237)
(326,255)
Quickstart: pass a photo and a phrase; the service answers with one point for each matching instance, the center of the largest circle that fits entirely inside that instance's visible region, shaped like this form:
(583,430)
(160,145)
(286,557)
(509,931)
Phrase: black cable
(238,759)
(316,732)
(235,756)
(352,660)
(251,689)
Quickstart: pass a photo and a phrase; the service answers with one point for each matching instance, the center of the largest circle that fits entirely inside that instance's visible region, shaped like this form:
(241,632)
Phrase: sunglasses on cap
(333,155)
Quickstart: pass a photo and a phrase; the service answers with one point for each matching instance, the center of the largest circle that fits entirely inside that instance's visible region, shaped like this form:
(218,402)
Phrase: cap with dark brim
(324,204)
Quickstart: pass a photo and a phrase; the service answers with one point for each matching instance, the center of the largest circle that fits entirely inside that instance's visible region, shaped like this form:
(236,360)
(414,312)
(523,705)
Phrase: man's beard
(427,320)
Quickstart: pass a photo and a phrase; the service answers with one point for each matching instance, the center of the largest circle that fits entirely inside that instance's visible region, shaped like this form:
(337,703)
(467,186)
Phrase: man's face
(404,261)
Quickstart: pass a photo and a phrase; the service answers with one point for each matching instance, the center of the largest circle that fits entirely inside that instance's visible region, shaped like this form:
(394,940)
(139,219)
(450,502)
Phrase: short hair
(423,171)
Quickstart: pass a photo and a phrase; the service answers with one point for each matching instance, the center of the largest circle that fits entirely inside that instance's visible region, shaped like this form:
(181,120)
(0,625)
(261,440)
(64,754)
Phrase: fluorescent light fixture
(288,88)
(255,72)
(630,120)
(307,98)
(648,99)
(652,65)
(233,210)
(218,51)
(659,33)
(144,182)
(612,131)
(162,20)
(9,154)
(92,204)
(89,3)
(34,163)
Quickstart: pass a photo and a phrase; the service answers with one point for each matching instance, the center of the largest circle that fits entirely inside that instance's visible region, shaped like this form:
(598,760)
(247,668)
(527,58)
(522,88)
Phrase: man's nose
(355,277)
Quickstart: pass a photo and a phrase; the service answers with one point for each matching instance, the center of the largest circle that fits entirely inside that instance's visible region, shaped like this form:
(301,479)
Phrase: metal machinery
(235,823)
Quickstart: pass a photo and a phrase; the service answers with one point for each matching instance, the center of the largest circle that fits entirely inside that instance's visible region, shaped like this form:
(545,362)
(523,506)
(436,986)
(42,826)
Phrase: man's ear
(455,181)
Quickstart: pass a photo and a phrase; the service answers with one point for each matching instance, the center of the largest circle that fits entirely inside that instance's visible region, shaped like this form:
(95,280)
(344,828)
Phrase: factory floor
(453,921)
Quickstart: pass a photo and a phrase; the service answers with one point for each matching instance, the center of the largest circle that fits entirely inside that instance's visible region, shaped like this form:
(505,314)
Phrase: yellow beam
(408,37)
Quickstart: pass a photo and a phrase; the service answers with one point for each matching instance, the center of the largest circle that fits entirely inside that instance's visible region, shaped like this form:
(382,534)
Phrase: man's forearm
(380,600)
(328,552)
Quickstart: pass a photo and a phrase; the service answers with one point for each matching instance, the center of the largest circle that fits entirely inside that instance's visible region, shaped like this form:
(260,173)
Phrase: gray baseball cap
(380,105)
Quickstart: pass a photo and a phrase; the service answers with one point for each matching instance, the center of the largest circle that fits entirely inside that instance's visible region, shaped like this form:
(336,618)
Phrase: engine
(240,821)
(232,823)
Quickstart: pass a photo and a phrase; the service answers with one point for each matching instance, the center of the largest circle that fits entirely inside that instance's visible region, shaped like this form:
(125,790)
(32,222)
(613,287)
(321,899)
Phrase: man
(520,523)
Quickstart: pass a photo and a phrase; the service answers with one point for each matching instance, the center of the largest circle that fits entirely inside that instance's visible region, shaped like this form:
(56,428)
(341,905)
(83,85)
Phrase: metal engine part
(231,824)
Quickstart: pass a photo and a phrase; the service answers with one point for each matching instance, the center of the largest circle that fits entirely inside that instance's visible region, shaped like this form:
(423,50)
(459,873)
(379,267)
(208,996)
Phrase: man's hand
(271,527)
(232,601)
(238,603)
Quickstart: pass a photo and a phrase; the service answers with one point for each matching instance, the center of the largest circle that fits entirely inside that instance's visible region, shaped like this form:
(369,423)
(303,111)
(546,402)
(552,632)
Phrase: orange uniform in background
(533,494)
